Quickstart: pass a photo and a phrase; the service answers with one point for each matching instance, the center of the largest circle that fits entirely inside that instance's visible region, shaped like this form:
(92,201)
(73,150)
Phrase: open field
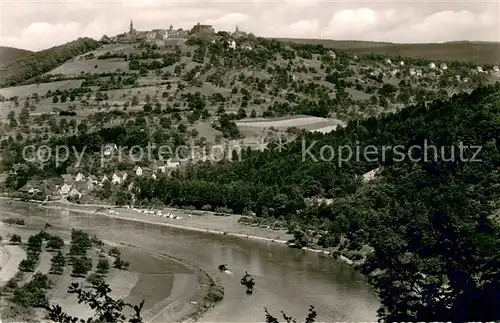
(78,66)
(303,122)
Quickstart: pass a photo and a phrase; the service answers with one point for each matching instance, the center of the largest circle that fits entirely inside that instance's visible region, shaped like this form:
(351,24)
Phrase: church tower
(132,30)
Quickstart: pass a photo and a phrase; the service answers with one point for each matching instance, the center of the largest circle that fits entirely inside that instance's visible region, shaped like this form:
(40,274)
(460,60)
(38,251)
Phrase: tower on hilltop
(131,30)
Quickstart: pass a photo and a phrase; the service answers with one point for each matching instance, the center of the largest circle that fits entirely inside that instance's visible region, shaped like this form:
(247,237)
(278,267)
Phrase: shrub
(57,264)
(95,279)
(121,264)
(114,252)
(16,239)
(102,266)
(55,243)
(27,265)
(81,266)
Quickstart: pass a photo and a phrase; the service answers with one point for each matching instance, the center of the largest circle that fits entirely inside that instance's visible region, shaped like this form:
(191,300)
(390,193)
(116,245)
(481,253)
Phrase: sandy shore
(10,257)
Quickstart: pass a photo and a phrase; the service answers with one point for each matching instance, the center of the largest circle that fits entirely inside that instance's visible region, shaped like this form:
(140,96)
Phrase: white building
(171,164)
(75,193)
(79,177)
(138,170)
(232,44)
(65,189)
(388,61)
(115,179)
(479,69)
(402,63)
(432,65)
(109,149)
(443,66)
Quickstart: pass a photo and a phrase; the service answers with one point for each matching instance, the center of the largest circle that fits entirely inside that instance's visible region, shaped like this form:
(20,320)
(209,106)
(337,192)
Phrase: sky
(38,24)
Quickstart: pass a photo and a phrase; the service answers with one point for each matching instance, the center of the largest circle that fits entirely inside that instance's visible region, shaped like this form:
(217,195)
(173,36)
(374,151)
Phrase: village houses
(138,170)
(65,189)
(79,177)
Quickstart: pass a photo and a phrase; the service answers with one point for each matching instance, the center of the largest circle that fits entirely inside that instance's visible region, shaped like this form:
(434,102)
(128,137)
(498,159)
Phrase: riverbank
(199,221)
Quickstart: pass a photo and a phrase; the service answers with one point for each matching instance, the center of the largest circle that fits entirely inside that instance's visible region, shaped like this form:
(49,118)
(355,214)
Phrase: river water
(286,279)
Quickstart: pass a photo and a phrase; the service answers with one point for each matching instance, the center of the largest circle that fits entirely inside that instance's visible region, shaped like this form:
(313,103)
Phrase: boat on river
(248,281)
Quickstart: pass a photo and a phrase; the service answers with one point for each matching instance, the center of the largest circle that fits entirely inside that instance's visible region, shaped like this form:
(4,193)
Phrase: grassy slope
(483,52)
(10,54)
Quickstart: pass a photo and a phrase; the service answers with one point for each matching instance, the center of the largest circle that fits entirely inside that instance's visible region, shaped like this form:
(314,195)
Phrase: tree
(103,266)
(35,243)
(27,265)
(55,243)
(81,266)
(15,239)
(135,101)
(114,252)
(57,264)
(24,116)
(121,264)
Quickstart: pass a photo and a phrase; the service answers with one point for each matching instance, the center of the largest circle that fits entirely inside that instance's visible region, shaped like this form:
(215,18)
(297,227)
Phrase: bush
(216,294)
(80,238)
(27,265)
(102,266)
(35,244)
(57,264)
(206,207)
(16,239)
(95,279)
(97,242)
(114,252)
(14,221)
(121,264)
(81,266)
(223,210)
(55,243)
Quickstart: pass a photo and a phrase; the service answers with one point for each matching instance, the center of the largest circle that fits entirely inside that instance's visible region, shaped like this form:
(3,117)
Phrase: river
(287,279)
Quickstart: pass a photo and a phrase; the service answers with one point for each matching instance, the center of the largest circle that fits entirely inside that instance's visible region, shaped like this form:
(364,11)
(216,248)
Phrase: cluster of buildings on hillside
(78,186)
(432,70)
(166,35)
